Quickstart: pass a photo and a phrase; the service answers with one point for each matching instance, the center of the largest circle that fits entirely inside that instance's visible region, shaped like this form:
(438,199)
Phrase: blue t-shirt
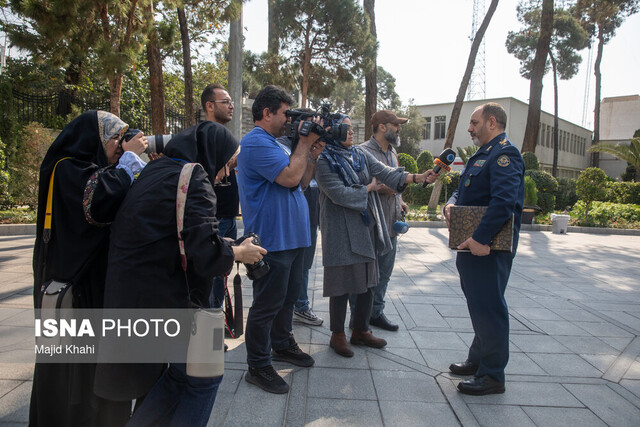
(279,215)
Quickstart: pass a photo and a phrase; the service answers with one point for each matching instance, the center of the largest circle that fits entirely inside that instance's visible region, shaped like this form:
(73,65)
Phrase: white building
(574,140)
(619,119)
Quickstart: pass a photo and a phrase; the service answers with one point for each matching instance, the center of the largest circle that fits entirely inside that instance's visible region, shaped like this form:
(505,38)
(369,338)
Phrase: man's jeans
(302,304)
(226,228)
(385,266)
(177,400)
(270,316)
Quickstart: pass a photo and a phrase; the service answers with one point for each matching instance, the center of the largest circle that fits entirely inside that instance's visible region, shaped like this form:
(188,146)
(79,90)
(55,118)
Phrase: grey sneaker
(308,317)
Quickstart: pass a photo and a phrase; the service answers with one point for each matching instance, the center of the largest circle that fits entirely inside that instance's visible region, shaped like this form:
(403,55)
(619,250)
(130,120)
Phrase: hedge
(607,214)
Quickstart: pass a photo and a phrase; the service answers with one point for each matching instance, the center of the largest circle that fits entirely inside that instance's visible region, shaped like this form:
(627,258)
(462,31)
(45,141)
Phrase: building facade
(573,140)
(619,119)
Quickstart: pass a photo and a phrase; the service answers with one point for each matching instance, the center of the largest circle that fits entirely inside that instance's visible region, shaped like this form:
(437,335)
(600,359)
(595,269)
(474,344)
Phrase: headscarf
(214,146)
(345,161)
(110,125)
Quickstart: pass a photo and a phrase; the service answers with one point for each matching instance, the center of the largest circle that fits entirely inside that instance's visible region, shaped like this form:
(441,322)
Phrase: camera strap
(181,200)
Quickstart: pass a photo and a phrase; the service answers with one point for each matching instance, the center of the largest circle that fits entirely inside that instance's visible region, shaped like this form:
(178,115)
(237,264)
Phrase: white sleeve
(131,163)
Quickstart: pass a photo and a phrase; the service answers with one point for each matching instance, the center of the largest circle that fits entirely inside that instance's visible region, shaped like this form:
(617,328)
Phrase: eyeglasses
(223,101)
(350,129)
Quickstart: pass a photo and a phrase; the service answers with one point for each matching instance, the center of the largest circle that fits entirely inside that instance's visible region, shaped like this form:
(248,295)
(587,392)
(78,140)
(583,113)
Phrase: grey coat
(346,239)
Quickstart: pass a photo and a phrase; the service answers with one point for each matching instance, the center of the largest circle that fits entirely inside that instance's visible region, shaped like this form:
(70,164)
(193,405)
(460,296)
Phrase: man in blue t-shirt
(274,207)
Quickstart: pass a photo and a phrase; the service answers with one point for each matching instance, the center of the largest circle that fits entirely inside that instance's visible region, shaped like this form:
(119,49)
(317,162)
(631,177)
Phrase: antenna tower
(477,84)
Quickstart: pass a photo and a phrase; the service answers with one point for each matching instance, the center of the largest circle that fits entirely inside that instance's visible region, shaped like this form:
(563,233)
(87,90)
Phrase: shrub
(629,173)
(623,192)
(424,161)
(33,142)
(591,186)
(546,202)
(607,214)
(453,185)
(545,182)
(531,162)
(415,194)
(530,192)
(408,162)
(5,198)
(566,195)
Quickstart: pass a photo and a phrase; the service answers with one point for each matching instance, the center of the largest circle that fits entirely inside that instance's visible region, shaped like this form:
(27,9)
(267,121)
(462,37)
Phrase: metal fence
(45,109)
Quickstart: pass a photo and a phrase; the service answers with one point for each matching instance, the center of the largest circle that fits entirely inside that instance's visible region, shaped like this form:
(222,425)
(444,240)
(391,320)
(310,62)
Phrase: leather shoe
(366,338)
(479,386)
(383,323)
(339,343)
(463,368)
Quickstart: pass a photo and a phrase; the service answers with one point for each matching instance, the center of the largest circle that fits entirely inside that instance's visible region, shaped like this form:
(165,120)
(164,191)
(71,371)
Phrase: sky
(425,44)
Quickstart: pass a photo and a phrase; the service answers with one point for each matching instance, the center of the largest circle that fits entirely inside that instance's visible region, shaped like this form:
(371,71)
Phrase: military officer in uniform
(492,177)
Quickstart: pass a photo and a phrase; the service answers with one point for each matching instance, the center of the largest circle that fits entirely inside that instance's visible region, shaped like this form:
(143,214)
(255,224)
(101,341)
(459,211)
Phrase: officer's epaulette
(503,142)
(488,148)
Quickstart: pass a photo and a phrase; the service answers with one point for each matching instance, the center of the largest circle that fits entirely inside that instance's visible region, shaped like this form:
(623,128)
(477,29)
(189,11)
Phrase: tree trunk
(457,106)
(554,168)
(371,78)
(115,89)
(273,39)
(188,75)
(156,85)
(537,73)
(595,157)
(235,74)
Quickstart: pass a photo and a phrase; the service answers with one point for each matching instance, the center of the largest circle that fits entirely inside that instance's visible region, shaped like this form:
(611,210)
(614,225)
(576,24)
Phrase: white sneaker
(308,317)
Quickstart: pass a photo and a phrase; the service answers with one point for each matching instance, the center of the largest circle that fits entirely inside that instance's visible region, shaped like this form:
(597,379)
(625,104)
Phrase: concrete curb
(26,229)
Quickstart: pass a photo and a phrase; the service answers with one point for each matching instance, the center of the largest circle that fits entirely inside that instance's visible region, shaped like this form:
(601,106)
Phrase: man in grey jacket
(386,127)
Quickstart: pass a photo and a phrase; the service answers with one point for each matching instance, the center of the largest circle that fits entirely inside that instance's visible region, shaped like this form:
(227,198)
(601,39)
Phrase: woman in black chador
(145,270)
(88,187)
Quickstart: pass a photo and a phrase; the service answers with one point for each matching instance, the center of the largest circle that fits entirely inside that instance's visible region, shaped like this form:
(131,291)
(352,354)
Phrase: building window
(439,130)
(426,130)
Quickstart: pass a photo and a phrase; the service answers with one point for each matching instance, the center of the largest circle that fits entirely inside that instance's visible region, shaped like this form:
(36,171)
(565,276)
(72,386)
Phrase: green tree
(466,153)
(590,186)
(531,162)
(601,18)
(567,38)
(371,76)
(34,140)
(332,34)
(629,153)
(5,197)
(411,133)
(538,68)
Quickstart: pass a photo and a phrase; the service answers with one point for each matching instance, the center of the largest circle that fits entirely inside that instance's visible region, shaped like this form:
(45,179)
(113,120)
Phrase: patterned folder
(463,221)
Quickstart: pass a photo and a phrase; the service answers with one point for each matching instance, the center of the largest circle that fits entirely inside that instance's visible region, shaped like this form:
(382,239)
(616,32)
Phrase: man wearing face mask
(386,129)
(493,177)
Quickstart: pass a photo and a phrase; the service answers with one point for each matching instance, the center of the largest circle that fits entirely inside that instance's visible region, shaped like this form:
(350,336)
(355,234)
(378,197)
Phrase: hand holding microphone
(443,161)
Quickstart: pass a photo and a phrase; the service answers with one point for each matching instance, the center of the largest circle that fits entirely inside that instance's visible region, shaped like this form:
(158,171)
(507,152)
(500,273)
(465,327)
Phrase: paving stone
(342,412)
(609,406)
(588,345)
(578,315)
(603,329)
(521,364)
(633,373)
(533,343)
(533,313)
(391,362)
(14,405)
(632,385)
(406,387)
(341,383)
(529,394)
(505,415)
(417,414)
(562,417)
(326,357)
(266,409)
(602,362)
(438,340)
(570,365)
(560,328)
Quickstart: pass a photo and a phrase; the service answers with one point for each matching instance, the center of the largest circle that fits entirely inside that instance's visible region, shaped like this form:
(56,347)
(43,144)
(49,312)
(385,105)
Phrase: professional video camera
(156,142)
(330,131)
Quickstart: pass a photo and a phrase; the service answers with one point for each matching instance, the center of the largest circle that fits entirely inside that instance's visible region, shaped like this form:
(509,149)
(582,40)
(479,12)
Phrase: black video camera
(330,132)
(258,269)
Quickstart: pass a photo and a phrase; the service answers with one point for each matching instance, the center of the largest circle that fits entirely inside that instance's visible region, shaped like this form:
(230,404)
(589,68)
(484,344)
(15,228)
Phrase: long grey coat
(346,239)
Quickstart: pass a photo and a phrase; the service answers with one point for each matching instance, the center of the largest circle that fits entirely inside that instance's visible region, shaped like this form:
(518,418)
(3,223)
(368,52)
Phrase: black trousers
(338,311)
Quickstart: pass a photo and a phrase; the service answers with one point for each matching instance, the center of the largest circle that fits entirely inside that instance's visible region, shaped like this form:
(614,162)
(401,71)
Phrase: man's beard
(221,117)
(392,137)
(476,141)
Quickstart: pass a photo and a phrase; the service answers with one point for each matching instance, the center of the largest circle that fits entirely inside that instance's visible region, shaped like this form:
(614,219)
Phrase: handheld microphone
(401,227)
(443,161)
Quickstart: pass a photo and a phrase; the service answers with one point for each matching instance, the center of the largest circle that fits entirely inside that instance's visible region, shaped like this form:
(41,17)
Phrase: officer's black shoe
(479,386)
(463,368)
(383,323)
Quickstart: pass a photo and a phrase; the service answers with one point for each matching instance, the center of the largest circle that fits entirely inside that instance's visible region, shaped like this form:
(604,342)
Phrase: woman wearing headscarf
(354,232)
(88,186)
(145,270)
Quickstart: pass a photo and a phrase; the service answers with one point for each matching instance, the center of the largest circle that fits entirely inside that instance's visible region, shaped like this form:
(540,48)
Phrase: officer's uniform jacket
(493,177)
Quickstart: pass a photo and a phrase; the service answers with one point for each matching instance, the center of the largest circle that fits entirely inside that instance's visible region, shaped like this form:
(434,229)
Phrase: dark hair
(270,97)
(494,109)
(207,94)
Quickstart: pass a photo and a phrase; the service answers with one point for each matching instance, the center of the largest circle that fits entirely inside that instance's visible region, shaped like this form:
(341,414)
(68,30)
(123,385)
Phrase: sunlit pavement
(575,319)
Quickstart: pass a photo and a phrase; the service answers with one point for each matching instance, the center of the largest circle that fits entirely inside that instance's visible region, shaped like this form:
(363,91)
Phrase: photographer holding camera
(274,208)
(145,270)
